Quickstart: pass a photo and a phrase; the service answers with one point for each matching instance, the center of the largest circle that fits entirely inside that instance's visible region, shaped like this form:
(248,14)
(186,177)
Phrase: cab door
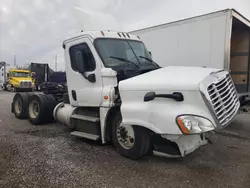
(85,89)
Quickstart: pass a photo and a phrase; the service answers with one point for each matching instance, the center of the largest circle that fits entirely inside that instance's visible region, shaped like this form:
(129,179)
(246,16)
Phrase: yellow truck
(19,80)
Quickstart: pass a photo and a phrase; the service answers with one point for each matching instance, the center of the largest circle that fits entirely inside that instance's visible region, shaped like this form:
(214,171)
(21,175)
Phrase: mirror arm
(91,78)
(84,75)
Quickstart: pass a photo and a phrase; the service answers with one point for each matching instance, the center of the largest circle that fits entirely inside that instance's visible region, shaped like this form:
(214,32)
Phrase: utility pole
(14,60)
(56,62)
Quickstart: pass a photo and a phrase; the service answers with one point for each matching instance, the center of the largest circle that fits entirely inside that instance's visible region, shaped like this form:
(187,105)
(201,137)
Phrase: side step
(85,118)
(85,135)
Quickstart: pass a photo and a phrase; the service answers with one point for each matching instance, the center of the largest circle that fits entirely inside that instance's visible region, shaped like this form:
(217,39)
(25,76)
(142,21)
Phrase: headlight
(190,124)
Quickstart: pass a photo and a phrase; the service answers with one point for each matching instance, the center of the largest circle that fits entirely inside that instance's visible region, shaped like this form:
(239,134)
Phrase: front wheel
(13,89)
(130,141)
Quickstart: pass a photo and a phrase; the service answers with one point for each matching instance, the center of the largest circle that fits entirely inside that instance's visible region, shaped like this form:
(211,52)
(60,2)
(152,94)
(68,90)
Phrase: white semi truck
(117,93)
(218,40)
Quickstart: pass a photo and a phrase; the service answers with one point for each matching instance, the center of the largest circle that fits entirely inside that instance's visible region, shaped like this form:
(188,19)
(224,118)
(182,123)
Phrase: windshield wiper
(149,60)
(125,60)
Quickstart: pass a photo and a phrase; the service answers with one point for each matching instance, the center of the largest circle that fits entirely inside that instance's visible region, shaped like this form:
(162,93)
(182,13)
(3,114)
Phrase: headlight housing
(191,124)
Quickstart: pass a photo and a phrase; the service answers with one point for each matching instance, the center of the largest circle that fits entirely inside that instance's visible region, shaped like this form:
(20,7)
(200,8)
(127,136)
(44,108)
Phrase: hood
(18,79)
(170,78)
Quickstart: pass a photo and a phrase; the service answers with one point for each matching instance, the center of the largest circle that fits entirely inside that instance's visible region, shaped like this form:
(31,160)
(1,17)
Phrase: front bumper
(188,143)
(24,88)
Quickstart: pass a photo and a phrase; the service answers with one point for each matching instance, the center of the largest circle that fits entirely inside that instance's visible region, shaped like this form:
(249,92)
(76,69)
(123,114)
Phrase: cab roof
(103,34)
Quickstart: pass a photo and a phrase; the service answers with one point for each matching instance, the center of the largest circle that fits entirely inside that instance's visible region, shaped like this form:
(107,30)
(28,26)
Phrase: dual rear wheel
(38,108)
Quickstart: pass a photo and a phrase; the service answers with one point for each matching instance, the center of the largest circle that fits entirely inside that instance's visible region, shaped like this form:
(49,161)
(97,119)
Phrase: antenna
(77,18)
(14,58)
(100,14)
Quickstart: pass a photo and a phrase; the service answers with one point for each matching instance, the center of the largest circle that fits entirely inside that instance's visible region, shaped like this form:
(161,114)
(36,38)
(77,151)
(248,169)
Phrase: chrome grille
(25,84)
(224,99)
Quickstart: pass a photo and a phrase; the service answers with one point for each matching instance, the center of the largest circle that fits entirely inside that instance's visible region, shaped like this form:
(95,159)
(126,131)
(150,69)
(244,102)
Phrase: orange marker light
(182,126)
(106,97)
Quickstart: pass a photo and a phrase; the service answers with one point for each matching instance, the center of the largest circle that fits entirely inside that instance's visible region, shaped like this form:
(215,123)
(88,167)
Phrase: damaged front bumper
(186,144)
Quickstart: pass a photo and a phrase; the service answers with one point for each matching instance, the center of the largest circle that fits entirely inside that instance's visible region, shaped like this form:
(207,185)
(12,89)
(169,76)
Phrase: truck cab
(118,93)
(19,80)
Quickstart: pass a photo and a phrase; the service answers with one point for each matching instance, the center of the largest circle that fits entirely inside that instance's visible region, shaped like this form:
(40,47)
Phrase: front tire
(130,141)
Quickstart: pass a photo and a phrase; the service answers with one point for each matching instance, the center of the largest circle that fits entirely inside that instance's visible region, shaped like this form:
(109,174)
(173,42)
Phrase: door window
(82,53)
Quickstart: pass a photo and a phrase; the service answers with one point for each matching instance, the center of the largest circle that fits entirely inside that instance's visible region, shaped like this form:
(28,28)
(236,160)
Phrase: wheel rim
(18,106)
(125,135)
(34,109)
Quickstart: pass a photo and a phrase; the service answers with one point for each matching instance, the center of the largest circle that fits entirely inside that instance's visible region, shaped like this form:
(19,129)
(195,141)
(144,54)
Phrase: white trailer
(217,40)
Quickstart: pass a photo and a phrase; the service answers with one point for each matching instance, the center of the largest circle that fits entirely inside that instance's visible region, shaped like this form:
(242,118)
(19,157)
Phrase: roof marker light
(102,33)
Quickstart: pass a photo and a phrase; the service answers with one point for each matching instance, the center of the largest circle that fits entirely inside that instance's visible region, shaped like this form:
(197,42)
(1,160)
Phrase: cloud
(34,29)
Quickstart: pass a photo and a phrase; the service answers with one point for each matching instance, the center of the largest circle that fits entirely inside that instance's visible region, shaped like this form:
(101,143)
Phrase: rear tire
(133,150)
(40,109)
(20,105)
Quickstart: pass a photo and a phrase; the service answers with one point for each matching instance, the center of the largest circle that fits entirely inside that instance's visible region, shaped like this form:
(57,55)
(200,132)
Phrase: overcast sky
(34,29)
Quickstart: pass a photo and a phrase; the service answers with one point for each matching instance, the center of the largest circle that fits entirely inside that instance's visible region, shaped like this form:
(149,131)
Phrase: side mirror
(33,75)
(91,78)
(80,62)
(82,69)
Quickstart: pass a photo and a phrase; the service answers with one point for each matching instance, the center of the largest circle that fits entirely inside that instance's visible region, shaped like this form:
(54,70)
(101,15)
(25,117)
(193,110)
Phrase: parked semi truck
(117,93)
(16,79)
(46,78)
(41,73)
(218,40)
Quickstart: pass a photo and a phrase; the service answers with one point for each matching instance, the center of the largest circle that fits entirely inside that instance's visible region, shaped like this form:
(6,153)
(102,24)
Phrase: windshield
(20,74)
(120,53)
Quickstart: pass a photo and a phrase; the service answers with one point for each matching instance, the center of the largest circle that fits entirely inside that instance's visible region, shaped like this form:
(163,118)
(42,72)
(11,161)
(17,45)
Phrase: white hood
(167,78)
